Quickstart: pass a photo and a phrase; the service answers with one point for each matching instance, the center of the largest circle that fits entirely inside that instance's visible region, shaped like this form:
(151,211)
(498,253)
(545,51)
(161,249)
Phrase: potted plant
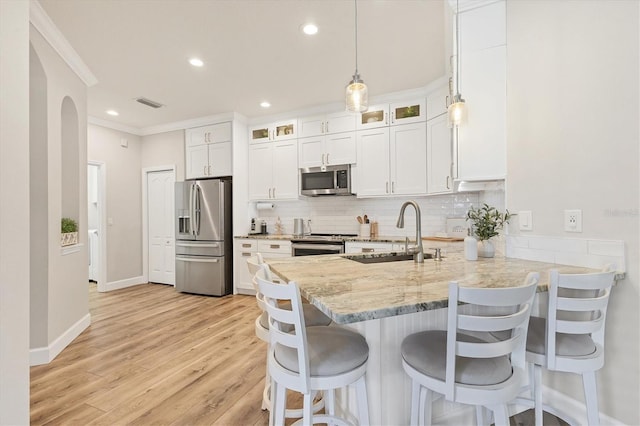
(486,221)
(69,228)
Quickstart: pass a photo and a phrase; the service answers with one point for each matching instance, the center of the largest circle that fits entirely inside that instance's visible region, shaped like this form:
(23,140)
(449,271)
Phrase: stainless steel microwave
(326,180)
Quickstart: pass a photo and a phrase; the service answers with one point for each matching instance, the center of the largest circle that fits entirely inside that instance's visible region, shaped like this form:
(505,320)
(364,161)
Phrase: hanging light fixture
(357,92)
(457,113)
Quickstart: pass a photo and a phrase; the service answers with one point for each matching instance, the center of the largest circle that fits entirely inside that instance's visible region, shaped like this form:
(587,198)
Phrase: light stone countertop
(380,239)
(349,291)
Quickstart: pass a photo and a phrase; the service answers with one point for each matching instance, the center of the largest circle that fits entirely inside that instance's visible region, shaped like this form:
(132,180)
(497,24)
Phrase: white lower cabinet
(371,247)
(273,171)
(244,249)
(392,161)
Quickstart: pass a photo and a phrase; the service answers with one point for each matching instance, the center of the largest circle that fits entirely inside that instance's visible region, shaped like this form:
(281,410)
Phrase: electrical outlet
(573,220)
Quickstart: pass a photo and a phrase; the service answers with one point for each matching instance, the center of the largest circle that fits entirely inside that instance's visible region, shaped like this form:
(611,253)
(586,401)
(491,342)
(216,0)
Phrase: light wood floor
(156,356)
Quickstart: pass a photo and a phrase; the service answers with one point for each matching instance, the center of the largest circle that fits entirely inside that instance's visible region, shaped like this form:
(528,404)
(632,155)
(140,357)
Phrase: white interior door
(161,242)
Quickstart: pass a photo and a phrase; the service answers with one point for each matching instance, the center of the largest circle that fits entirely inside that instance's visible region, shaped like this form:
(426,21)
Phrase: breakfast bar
(388,300)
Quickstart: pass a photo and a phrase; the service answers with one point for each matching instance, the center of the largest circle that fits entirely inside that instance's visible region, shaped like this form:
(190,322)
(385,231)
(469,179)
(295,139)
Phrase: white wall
(14,197)
(164,149)
(123,199)
(66,285)
(573,143)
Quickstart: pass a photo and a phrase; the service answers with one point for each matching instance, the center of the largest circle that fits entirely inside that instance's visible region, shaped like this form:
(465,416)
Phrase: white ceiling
(253,51)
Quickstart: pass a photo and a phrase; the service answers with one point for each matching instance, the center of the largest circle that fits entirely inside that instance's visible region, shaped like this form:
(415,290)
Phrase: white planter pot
(486,248)
(68,239)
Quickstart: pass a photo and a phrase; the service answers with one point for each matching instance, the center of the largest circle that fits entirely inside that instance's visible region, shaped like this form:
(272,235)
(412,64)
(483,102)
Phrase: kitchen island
(386,302)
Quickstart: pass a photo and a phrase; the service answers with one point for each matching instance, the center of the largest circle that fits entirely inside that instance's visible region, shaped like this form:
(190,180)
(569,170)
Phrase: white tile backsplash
(590,253)
(337,214)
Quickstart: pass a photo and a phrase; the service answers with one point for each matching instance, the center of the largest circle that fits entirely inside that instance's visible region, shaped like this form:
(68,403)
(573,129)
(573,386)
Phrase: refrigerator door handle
(197,259)
(197,209)
(212,245)
(191,210)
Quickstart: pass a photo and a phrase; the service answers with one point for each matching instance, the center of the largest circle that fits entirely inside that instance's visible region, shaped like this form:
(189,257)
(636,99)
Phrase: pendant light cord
(457,49)
(355,2)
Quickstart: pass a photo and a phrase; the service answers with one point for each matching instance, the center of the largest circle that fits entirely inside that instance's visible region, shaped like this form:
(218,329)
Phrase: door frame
(102,222)
(145,214)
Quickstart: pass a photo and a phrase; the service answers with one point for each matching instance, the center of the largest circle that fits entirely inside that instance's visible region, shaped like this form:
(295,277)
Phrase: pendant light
(457,112)
(357,94)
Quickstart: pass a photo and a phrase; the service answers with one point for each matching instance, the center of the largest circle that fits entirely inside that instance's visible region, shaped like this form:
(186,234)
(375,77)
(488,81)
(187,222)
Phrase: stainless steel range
(314,244)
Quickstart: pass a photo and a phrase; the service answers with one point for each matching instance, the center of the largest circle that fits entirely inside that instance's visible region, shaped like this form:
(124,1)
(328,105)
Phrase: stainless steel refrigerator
(204,258)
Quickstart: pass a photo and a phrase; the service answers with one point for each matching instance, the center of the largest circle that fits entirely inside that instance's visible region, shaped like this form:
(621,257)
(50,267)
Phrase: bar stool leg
(591,397)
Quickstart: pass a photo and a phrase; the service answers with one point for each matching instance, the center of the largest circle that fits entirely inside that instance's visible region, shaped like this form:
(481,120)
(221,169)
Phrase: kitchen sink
(384,257)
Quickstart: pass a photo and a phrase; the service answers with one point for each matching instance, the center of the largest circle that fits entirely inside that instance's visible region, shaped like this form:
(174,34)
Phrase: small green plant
(69,225)
(486,221)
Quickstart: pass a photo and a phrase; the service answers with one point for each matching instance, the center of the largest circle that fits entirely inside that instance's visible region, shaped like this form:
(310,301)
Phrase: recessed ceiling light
(265,104)
(113,112)
(196,62)
(310,29)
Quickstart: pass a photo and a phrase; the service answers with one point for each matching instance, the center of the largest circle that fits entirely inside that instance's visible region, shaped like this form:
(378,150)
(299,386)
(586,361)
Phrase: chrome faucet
(418,255)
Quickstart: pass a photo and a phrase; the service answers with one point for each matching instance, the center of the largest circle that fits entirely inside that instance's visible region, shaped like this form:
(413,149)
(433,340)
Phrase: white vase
(486,249)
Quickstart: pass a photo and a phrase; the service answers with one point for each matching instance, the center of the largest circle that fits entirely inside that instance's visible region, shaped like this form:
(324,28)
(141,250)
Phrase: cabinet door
(373,162)
(310,126)
(217,133)
(408,157)
(285,130)
(340,122)
(197,161)
(220,159)
(243,280)
(260,166)
(438,102)
(408,112)
(193,137)
(439,159)
(340,148)
(285,170)
(376,116)
(259,134)
(482,141)
(311,152)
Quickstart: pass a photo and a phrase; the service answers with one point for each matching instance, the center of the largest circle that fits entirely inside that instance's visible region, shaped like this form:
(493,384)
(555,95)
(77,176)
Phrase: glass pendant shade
(357,95)
(457,112)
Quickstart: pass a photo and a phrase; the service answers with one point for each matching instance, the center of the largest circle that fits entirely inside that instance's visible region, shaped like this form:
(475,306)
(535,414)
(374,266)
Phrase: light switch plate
(526,220)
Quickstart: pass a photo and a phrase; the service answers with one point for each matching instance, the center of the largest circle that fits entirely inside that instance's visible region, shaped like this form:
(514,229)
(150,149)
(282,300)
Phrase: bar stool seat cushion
(426,351)
(566,344)
(332,351)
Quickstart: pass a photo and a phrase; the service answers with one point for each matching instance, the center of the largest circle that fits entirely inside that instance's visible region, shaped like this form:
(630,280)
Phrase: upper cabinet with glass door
(281,130)
(411,111)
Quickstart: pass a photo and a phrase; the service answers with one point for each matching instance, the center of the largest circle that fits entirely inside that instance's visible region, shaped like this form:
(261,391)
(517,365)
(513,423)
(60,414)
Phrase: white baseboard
(465,414)
(39,356)
(128,282)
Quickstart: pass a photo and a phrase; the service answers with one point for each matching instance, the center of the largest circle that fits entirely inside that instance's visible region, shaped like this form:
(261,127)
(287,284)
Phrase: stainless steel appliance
(326,180)
(204,259)
(316,244)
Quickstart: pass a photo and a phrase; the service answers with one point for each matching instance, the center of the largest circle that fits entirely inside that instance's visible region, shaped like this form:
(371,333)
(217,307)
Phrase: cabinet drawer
(246,245)
(274,246)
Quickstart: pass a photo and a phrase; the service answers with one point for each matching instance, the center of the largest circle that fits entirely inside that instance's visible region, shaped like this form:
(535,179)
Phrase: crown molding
(115,126)
(45,26)
(187,124)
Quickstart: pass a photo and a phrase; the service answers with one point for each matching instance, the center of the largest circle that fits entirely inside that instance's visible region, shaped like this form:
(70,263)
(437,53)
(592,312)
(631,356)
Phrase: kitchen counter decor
(486,221)
(69,232)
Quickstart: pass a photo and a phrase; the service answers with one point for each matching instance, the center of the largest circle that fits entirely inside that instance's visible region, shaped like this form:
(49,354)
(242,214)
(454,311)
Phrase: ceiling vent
(149,102)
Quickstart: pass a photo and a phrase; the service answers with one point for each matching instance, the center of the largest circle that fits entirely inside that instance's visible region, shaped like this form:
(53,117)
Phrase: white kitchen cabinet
(274,249)
(208,151)
(392,161)
(367,247)
(326,124)
(438,101)
(281,130)
(481,142)
(243,249)
(411,111)
(325,150)
(273,171)
(439,156)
